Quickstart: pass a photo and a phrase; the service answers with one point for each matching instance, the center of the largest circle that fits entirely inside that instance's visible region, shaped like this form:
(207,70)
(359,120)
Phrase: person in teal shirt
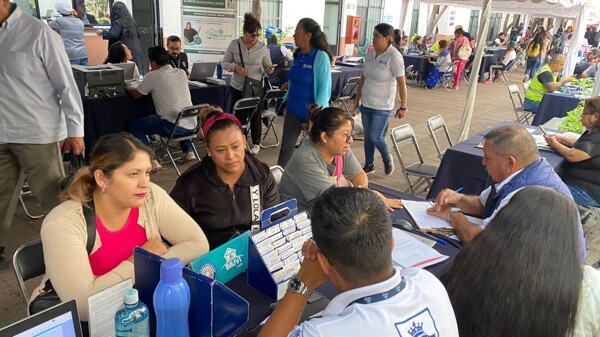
(309,82)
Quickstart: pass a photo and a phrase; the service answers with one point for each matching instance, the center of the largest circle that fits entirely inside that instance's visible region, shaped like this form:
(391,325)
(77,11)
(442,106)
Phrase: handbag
(251,87)
(338,179)
(48,297)
(76,162)
(464,51)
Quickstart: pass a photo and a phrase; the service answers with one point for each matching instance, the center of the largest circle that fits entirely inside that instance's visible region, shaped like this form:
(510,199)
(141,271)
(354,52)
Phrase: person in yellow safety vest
(545,81)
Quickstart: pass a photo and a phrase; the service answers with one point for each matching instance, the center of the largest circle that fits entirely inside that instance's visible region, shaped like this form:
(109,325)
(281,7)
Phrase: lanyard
(381,296)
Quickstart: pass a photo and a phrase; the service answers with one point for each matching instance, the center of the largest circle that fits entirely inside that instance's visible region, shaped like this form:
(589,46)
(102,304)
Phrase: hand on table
(391,204)
(154,246)
(552,140)
(74,144)
(440,212)
(445,200)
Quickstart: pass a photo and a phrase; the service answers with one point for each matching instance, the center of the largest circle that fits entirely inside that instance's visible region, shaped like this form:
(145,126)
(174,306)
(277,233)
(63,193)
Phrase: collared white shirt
(39,100)
(422,305)
(379,88)
(486,193)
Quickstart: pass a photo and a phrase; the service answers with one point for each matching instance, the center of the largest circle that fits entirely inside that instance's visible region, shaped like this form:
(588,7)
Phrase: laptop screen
(59,321)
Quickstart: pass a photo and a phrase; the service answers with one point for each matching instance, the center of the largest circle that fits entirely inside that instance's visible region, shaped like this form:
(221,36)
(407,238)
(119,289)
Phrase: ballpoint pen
(458,190)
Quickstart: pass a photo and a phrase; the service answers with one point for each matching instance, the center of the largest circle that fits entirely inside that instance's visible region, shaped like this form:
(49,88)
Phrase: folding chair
(25,191)
(270,114)
(423,172)
(191,112)
(29,263)
(523,116)
(346,94)
(590,217)
(246,107)
(277,172)
(465,75)
(447,77)
(410,72)
(503,70)
(433,124)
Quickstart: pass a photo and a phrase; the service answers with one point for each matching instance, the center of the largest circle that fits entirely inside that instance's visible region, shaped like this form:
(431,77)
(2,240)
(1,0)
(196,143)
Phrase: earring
(103,189)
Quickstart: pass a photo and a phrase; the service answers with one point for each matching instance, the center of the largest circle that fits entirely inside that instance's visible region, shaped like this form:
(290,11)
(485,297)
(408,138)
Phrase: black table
(418,62)
(498,53)
(115,114)
(554,105)
(261,305)
(486,62)
(461,166)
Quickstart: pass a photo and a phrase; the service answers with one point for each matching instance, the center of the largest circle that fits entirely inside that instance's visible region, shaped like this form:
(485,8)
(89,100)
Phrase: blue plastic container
(219,70)
(132,320)
(172,301)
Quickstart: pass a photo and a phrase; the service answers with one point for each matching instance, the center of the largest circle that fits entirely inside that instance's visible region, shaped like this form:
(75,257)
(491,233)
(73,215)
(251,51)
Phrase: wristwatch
(452,211)
(296,285)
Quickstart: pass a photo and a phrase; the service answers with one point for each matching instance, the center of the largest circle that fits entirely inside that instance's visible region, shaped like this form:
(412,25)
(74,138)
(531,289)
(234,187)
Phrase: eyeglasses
(175,49)
(349,136)
(253,35)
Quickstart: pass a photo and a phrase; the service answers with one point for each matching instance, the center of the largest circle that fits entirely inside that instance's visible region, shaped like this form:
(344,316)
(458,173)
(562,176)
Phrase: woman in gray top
(70,29)
(248,58)
(325,160)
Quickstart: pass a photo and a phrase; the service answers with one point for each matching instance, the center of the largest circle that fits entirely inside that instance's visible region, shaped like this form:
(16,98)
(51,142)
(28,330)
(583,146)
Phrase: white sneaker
(255,149)
(190,157)
(156,165)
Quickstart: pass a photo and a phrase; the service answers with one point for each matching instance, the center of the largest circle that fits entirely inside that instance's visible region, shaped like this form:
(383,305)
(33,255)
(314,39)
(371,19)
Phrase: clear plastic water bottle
(132,319)
(219,70)
(172,301)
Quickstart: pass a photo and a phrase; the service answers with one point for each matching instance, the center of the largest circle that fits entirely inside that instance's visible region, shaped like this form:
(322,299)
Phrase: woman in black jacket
(228,189)
(123,28)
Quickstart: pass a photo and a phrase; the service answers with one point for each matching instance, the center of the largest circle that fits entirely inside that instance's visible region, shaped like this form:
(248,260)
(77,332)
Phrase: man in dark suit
(88,19)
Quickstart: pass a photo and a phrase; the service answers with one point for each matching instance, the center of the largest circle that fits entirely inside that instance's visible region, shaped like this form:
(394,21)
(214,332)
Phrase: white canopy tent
(541,8)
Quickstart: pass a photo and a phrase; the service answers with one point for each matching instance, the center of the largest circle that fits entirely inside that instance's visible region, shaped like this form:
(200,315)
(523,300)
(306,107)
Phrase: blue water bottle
(172,301)
(219,70)
(132,319)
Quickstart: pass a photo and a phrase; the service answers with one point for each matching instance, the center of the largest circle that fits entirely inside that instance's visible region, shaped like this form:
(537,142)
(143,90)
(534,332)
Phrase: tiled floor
(491,106)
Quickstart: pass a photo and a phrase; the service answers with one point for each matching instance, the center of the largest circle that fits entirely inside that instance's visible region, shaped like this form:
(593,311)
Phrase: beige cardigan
(64,237)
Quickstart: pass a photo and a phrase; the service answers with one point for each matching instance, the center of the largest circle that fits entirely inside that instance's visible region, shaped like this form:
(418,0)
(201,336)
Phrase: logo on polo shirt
(420,325)
(307,66)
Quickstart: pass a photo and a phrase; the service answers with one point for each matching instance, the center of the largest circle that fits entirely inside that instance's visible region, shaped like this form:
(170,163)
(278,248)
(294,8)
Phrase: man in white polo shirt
(353,232)
(170,93)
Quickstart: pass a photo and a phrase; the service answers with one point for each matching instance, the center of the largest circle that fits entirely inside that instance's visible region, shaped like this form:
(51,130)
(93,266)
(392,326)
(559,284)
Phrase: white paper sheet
(410,252)
(418,211)
(102,309)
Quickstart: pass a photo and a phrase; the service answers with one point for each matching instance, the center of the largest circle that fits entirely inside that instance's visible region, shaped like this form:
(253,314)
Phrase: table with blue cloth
(461,165)
(419,64)
(115,114)
(497,53)
(486,62)
(261,305)
(554,105)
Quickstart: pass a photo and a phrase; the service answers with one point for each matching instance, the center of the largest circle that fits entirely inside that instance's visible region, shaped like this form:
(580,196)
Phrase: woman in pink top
(130,212)
(460,40)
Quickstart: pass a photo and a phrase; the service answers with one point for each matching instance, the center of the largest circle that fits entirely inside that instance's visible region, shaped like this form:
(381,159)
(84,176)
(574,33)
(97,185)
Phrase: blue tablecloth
(461,166)
(486,63)
(115,114)
(554,105)
(418,62)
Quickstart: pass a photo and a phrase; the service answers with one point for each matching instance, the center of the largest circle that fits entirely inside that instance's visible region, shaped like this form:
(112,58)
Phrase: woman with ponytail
(325,160)
(130,212)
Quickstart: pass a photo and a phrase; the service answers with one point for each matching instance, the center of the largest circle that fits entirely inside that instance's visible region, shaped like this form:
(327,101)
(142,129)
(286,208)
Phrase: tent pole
(484,24)
(576,41)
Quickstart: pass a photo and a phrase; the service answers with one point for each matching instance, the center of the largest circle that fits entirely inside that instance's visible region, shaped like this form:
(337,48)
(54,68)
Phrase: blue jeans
(581,197)
(374,122)
(154,125)
(80,62)
(532,66)
(530,105)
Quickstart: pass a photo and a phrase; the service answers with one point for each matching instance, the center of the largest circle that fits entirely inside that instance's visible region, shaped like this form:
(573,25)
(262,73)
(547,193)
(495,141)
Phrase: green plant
(572,122)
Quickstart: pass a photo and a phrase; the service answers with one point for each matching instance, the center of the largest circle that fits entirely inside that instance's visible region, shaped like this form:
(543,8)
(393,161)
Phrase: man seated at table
(170,93)
(497,67)
(177,58)
(545,80)
(512,160)
(591,58)
(352,249)
(501,40)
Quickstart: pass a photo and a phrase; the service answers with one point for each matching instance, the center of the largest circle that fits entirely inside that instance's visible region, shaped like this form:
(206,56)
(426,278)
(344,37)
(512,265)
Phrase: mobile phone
(543,131)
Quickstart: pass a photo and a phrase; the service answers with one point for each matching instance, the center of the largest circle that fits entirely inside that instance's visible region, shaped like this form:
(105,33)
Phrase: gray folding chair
(244,109)
(191,112)
(411,73)
(433,124)
(522,115)
(447,77)
(277,172)
(270,114)
(346,94)
(29,263)
(424,173)
(25,191)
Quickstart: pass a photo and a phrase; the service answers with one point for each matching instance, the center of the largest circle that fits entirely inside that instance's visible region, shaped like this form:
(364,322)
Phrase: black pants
(292,127)
(255,124)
